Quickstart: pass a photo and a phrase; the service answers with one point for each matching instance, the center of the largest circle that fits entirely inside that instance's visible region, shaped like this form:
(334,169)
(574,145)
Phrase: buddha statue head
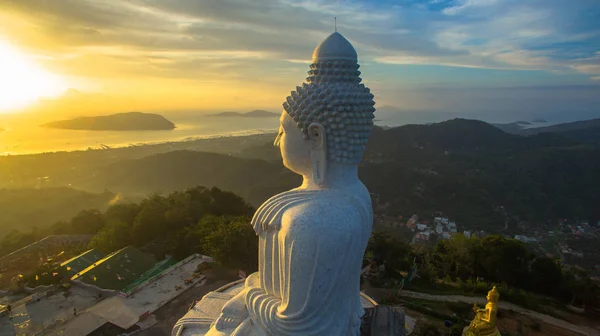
(327,121)
(493,295)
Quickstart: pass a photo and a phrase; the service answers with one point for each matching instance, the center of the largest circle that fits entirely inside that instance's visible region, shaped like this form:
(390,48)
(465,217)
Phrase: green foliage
(115,235)
(17,239)
(478,263)
(86,222)
(390,251)
(466,169)
(230,241)
(177,225)
(27,209)
(197,220)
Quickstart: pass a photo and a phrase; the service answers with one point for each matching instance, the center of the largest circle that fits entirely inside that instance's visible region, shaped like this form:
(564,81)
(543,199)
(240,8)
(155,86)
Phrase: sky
(498,60)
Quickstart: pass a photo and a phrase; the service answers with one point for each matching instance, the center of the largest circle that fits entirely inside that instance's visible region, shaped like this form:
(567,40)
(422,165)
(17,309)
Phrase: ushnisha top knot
(334,97)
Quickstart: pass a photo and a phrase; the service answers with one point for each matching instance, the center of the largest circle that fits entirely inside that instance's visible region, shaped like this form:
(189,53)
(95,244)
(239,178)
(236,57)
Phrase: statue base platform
(492,332)
(377,321)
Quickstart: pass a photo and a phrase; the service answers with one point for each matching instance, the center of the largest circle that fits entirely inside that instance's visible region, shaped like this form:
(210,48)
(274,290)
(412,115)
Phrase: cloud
(588,65)
(246,39)
(462,5)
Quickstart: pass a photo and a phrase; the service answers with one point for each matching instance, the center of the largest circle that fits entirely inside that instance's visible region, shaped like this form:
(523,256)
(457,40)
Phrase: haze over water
(23,137)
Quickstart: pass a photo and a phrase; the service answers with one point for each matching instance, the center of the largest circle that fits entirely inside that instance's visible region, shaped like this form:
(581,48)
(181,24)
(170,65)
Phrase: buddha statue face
(493,295)
(297,148)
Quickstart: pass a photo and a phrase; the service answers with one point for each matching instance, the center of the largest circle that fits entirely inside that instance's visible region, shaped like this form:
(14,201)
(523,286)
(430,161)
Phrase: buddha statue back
(312,238)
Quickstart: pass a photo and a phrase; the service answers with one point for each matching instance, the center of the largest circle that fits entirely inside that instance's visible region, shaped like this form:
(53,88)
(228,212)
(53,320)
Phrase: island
(251,114)
(129,121)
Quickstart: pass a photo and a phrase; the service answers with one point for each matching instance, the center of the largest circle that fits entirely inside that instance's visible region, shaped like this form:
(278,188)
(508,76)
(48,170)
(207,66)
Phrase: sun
(22,82)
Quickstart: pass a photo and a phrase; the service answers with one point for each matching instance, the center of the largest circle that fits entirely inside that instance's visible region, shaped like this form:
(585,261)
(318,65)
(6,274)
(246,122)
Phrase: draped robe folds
(311,245)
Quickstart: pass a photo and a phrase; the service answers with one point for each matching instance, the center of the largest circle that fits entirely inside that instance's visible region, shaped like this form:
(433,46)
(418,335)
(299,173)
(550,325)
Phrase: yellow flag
(94,277)
(37,277)
(20,276)
(68,268)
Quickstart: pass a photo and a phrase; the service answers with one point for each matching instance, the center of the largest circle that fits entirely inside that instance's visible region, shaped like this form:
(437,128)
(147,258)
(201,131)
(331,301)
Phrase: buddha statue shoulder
(312,238)
(484,322)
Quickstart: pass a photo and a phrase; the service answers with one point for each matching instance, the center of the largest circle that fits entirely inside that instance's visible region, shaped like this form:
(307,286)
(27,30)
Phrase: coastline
(150,143)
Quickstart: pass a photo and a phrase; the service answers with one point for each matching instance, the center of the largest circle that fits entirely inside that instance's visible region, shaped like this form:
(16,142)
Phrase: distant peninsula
(251,114)
(129,121)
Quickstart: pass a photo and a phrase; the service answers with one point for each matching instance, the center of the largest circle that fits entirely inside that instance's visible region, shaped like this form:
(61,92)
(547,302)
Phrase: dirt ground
(530,326)
(167,315)
(510,324)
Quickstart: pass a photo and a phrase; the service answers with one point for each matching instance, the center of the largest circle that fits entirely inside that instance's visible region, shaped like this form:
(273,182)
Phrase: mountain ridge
(251,114)
(464,168)
(127,121)
(583,130)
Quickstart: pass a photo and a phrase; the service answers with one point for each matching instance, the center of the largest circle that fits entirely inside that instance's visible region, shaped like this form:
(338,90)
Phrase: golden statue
(484,322)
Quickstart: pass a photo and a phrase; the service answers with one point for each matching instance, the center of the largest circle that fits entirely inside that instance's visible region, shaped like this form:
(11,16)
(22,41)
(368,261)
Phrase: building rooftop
(79,263)
(117,270)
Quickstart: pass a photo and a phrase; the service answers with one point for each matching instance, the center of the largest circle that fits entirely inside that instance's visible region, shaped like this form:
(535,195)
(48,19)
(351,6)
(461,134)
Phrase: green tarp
(156,270)
(117,270)
(79,263)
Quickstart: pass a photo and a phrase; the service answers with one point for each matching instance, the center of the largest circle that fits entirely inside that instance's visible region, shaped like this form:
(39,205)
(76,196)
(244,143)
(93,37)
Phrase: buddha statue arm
(314,257)
(487,314)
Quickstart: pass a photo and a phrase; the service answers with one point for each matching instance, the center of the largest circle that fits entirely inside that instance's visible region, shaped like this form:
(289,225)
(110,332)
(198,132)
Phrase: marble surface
(335,47)
(198,320)
(312,238)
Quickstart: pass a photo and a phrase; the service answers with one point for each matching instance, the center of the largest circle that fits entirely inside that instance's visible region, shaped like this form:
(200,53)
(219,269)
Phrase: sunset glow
(22,81)
(482,59)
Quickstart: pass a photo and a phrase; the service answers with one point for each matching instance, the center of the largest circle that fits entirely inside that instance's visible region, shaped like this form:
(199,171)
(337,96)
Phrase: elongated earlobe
(318,152)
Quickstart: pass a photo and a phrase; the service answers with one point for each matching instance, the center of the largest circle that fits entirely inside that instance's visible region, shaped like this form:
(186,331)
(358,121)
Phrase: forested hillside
(197,220)
(216,223)
(25,209)
(466,169)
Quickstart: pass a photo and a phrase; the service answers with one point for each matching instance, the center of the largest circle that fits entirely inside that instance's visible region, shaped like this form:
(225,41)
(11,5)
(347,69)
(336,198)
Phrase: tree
(124,212)
(87,222)
(504,260)
(545,276)
(230,241)
(394,253)
(150,222)
(116,235)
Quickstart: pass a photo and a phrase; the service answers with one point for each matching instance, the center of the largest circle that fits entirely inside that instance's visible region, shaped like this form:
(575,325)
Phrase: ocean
(27,138)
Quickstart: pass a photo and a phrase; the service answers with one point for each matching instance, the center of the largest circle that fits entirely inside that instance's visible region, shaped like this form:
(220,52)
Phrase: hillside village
(570,241)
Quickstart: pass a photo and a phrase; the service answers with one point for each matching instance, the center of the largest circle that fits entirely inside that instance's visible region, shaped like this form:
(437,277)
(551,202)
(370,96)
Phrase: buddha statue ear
(318,151)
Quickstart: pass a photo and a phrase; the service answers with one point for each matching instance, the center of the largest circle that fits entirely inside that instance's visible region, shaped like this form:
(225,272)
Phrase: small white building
(439,228)
(525,239)
(421,227)
(452,227)
(467,234)
(446,235)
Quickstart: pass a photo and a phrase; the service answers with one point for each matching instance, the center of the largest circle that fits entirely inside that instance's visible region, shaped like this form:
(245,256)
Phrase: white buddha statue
(312,238)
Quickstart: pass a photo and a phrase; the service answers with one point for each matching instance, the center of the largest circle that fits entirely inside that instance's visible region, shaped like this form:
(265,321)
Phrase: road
(582,330)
